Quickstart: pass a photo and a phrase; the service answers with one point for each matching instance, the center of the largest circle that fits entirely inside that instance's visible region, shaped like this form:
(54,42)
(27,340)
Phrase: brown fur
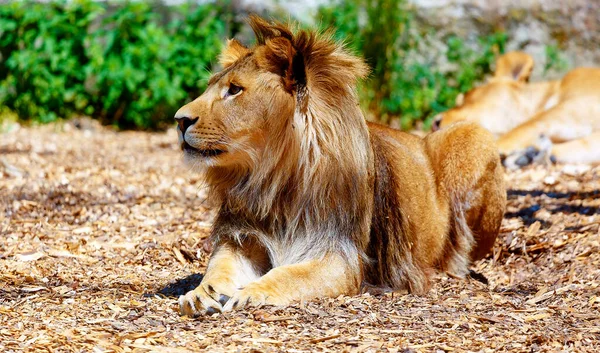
(560,118)
(313,201)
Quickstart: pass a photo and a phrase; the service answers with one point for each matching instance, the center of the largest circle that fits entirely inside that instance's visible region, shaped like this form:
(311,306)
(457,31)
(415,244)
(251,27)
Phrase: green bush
(132,64)
(42,58)
(400,86)
(129,64)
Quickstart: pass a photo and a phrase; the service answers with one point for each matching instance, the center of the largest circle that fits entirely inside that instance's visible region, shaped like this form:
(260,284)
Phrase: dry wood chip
(258,340)
(323,339)
(494,320)
(98,241)
(82,230)
(179,256)
(32,289)
(160,349)
(534,228)
(537,317)
(30,256)
(547,295)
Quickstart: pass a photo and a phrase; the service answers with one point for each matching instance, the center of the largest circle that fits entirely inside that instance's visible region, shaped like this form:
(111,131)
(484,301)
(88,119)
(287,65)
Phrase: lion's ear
(516,65)
(232,53)
(280,57)
(459,100)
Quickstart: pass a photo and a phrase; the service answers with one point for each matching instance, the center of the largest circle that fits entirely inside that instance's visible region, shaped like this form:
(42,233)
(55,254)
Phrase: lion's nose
(185,122)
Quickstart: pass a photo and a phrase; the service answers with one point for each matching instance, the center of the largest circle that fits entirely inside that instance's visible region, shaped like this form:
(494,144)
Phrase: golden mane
(307,180)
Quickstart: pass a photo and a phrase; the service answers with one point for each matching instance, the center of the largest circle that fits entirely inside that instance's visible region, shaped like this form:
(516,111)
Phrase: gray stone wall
(572,25)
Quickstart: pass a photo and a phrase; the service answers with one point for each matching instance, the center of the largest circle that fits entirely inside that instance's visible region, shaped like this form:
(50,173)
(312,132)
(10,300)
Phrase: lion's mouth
(204,152)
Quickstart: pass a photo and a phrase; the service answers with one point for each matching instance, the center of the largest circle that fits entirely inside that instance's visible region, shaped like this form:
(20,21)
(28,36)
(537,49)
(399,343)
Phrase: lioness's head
(259,102)
(496,102)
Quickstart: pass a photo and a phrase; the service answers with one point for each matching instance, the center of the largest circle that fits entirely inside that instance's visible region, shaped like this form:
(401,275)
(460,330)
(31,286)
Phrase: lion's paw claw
(205,299)
(223,299)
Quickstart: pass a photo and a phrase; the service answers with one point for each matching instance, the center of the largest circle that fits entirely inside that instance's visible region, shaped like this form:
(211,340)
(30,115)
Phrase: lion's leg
(326,277)
(583,150)
(231,267)
(531,141)
(564,122)
(468,170)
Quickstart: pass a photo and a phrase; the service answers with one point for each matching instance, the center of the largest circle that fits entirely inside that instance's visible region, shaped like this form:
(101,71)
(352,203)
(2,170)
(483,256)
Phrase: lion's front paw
(539,153)
(205,299)
(253,295)
(521,158)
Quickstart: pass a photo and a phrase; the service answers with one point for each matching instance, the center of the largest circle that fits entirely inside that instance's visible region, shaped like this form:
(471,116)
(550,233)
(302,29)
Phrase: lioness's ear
(459,100)
(516,65)
(232,53)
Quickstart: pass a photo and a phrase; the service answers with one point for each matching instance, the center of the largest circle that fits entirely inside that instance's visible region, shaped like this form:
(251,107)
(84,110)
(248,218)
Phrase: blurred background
(133,64)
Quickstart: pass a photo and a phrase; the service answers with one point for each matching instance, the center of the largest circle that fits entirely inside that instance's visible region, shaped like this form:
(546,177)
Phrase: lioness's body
(313,201)
(567,111)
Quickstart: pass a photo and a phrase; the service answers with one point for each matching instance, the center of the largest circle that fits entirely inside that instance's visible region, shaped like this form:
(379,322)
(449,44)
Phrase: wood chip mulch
(100,231)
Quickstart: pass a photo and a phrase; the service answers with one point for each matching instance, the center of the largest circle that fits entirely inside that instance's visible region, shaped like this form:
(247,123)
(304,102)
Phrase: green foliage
(386,34)
(554,59)
(42,51)
(130,64)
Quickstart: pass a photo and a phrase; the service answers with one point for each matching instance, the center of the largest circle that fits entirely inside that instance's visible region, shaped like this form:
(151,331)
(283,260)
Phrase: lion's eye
(233,89)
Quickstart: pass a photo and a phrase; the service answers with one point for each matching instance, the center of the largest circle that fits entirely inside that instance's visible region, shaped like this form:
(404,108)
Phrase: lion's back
(443,200)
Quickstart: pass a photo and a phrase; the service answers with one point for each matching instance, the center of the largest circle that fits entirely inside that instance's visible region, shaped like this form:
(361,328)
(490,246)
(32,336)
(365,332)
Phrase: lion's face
(273,111)
(496,105)
(488,105)
(231,121)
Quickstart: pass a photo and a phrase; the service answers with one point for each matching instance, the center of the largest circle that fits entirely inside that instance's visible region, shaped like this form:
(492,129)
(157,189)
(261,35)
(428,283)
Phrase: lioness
(560,118)
(315,202)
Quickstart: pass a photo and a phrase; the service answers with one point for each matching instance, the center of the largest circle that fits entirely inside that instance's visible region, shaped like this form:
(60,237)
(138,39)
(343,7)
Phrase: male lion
(557,118)
(315,202)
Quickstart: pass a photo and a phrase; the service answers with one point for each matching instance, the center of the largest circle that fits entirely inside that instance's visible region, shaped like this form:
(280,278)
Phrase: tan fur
(315,202)
(515,65)
(525,114)
(232,53)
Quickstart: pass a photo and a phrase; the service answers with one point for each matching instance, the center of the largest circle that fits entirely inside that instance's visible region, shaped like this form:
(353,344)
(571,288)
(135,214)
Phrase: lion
(313,201)
(559,119)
